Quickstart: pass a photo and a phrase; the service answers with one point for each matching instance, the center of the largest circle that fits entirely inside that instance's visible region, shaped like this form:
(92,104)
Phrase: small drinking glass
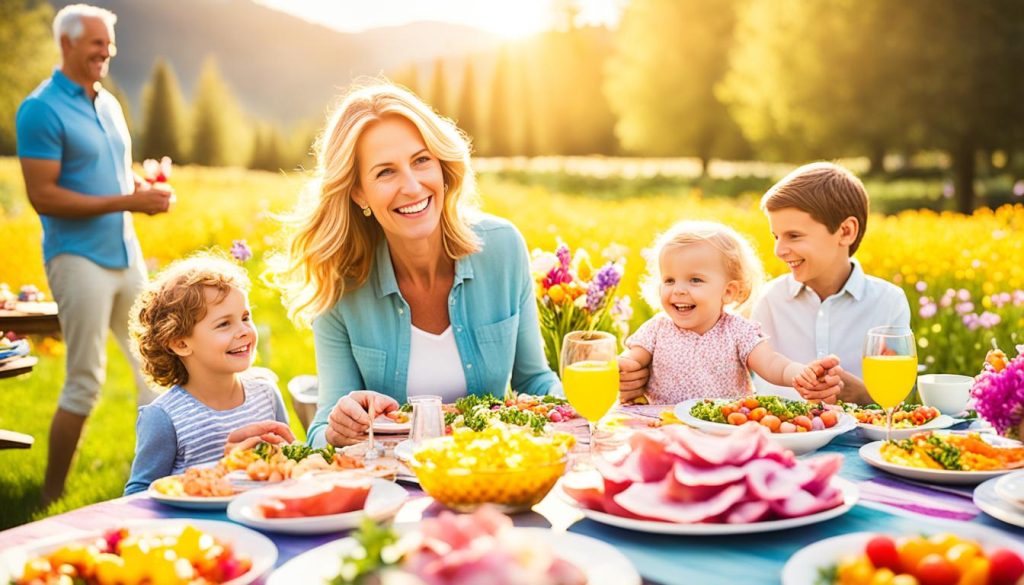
(590,378)
(427,419)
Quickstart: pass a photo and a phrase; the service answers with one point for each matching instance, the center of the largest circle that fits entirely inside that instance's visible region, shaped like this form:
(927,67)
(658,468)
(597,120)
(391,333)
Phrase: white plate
(990,502)
(602,563)
(386,426)
(191,502)
(798,443)
(850,496)
(384,500)
(246,542)
(240,479)
(872,454)
(1010,488)
(802,568)
(403,452)
(877,432)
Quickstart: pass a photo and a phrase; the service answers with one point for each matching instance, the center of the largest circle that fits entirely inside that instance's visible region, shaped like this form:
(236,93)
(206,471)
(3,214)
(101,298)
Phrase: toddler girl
(701,275)
(193,332)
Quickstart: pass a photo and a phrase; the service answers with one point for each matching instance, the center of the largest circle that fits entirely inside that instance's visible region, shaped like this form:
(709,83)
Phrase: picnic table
(887,504)
(36,318)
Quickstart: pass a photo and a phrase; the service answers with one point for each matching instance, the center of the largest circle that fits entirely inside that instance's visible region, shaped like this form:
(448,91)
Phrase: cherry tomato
(1006,567)
(737,418)
(830,418)
(727,410)
(882,552)
(751,403)
(802,421)
(934,569)
(772,422)
(757,414)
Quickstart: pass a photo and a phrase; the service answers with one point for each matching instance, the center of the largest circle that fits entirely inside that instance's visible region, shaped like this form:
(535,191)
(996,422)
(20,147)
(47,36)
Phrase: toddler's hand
(826,383)
(632,379)
(270,431)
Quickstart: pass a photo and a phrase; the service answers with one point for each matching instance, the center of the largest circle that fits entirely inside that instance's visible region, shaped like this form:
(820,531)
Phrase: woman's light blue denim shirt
(362,343)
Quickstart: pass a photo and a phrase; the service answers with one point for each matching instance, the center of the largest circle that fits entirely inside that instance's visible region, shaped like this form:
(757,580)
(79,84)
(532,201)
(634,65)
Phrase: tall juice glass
(890,368)
(590,376)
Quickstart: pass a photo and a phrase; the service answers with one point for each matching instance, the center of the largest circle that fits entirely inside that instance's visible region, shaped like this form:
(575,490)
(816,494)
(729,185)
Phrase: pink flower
(971,321)
(963,294)
(921,286)
(989,320)
(928,311)
(963,308)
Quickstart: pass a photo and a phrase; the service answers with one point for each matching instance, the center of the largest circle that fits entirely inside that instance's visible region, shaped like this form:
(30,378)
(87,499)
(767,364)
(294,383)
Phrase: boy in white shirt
(826,304)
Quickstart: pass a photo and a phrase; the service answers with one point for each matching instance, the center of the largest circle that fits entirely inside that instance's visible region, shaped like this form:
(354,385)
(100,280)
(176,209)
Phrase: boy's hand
(269,431)
(826,384)
(350,418)
(632,379)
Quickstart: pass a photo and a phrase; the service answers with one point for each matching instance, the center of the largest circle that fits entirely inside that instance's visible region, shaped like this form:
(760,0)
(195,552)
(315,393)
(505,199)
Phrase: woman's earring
(367,212)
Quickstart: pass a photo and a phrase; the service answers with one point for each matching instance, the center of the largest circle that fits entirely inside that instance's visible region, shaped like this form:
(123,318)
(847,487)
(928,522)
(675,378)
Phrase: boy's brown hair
(171,305)
(826,191)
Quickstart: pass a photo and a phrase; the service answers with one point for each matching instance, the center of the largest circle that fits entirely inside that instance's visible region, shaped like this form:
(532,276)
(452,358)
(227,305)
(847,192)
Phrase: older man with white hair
(76,158)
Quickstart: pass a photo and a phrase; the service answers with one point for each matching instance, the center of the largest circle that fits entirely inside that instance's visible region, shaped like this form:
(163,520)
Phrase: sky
(507,18)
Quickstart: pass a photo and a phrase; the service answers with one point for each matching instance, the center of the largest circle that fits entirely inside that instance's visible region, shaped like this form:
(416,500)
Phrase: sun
(514,20)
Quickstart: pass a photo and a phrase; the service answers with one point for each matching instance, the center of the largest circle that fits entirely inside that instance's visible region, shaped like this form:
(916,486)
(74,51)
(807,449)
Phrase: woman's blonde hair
(331,244)
(170,306)
(738,257)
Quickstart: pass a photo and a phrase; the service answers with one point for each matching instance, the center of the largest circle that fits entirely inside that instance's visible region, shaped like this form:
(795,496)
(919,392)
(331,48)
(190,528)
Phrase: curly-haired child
(192,329)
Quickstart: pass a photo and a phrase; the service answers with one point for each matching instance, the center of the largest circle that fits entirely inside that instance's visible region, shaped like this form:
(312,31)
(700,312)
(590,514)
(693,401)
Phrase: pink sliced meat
(698,475)
(647,461)
(824,467)
(700,448)
(645,500)
(747,512)
(770,480)
(803,503)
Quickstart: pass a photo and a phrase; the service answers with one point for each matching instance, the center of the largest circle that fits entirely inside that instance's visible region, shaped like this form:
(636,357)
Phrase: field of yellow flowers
(963,275)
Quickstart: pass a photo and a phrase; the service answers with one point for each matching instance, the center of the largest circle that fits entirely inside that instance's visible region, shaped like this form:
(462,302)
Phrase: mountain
(279,66)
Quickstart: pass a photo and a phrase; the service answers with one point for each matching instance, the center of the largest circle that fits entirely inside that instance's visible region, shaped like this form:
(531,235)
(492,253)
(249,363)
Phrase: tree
(668,56)
(163,131)
(438,89)
(409,78)
(499,141)
(840,77)
(218,123)
(467,117)
(268,152)
(29,56)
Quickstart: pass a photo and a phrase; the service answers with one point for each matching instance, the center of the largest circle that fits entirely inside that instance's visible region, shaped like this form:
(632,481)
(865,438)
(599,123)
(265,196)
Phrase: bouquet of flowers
(572,296)
(998,392)
(157,171)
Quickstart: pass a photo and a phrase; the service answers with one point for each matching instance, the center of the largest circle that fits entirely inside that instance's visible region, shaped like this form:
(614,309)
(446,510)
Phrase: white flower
(543,262)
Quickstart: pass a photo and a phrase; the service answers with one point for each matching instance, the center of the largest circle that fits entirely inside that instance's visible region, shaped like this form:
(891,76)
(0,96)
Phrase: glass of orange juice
(890,368)
(590,377)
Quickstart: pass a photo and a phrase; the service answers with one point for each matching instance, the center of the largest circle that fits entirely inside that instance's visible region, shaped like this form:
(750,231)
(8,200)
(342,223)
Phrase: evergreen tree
(499,140)
(29,57)
(218,124)
(438,89)
(467,113)
(164,115)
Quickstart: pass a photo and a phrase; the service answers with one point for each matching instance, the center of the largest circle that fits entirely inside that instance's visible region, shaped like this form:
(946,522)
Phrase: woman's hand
(249,436)
(349,418)
(828,384)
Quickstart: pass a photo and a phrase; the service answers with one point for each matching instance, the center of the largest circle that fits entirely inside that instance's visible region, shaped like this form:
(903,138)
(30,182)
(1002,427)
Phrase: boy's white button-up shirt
(802,327)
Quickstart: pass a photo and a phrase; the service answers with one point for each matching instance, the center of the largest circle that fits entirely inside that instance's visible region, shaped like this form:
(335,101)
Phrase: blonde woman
(409,289)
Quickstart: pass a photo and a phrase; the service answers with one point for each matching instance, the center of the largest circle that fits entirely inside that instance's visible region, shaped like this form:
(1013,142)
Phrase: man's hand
(151,201)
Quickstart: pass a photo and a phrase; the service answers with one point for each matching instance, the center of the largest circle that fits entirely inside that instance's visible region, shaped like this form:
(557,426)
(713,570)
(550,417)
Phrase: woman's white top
(435,366)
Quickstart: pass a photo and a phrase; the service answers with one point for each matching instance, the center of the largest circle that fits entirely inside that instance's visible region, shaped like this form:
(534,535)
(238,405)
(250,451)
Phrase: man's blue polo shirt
(58,121)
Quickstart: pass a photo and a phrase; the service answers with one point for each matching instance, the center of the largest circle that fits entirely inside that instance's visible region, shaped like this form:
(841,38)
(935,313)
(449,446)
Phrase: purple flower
(989,320)
(606,279)
(1001,299)
(964,308)
(948,190)
(240,250)
(623,309)
(963,294)
(971,321)
(562,251)
(1018,298)
(1018,188)
(999,396)
(924,301)
(928,311)
(921,286)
